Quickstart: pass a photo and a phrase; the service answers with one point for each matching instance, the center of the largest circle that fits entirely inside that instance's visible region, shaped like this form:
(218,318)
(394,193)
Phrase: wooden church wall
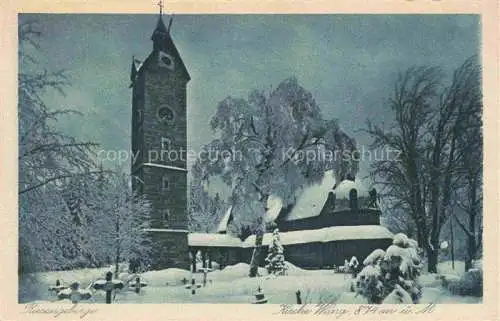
(334,253)
(339,218)
(307,255)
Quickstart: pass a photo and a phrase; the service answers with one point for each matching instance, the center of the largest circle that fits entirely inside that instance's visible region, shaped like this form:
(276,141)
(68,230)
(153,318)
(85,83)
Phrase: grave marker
(108,285)
(74,293)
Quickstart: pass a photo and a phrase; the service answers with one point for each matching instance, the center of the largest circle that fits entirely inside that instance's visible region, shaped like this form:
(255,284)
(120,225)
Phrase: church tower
(159,146)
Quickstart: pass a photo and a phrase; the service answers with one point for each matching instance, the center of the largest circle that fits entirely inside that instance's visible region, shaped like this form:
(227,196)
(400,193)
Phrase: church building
(331,223)
(328,224)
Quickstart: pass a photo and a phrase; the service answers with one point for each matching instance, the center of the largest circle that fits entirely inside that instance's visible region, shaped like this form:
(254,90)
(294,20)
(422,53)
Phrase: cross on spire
(161,5)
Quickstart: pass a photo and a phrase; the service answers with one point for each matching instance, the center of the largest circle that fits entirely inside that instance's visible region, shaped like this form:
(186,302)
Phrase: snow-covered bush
(369,284)
(275,259)
(469,283)
(392,274)
(374,258)
(401,240)
(354,266)
(398,296)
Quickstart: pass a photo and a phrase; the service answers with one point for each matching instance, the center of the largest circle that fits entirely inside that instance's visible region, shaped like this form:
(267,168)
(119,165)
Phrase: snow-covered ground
(231,285)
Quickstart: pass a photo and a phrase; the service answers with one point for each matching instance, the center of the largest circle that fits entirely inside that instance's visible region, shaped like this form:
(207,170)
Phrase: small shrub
(470,283)
(392,273)
(369,284)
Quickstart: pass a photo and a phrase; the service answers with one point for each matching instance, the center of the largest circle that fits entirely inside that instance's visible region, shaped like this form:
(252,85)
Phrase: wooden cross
(205,271)
(193,286)
(74,293)
(138,284)
(58,287)
(108,285)
(298,297)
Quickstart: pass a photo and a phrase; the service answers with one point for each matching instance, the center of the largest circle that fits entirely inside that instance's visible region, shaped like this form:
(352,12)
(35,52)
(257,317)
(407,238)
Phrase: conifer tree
(275,259)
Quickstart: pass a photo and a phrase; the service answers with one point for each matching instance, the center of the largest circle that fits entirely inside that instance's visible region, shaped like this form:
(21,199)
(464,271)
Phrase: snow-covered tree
(205,210)
(272,144)
(275,260)
(118,225)
(391,276)
(48,159)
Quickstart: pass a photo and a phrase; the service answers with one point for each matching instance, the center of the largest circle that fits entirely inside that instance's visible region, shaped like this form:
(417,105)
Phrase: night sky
(348,62)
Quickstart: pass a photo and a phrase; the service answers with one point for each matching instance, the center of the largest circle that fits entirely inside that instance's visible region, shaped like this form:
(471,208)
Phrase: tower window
(165,217)
(165,143)
(353,199)
(165,184)
(139,115)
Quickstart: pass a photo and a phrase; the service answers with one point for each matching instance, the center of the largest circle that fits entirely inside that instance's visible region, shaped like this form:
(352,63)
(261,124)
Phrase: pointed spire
(160,26)
(163,44)
(160,31)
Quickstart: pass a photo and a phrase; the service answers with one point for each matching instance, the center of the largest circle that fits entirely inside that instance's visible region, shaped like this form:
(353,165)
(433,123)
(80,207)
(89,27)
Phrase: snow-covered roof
(327,234)
(311,201)
(274,206)
(344,187)
(309,204)
(213,239)
(223,223)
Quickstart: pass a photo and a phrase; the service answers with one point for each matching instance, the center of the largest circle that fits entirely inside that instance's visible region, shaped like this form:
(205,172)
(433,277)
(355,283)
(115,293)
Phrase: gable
(226,219)
(312,200)
(326,197)
(152,63)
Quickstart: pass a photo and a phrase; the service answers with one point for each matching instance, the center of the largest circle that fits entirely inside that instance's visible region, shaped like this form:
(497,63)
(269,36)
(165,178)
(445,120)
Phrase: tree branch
(55,178)
(464,228)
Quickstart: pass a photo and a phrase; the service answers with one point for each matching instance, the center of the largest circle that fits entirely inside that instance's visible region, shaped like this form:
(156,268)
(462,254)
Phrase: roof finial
(160,4)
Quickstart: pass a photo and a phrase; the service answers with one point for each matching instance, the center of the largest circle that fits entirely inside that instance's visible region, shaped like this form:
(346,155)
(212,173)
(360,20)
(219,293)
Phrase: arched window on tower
(353,199)
(166,144)
(165,219)
(165,183)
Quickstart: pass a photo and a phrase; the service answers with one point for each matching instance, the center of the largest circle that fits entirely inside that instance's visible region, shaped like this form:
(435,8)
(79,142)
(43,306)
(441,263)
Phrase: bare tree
(452,145)
(401,176)
(427,132)
(469,192)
